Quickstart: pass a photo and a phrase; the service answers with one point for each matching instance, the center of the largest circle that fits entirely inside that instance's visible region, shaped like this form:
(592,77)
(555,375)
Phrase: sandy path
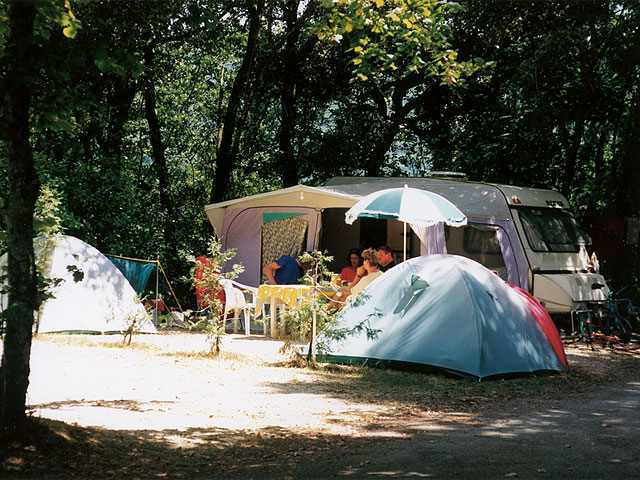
(149,389)
(251,417)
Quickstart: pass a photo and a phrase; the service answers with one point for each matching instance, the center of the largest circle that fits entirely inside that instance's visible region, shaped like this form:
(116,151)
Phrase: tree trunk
(391,118)
(22,194)
(289,79)
(572,156)
(225,160)
(120,100)
(381,144)
(159,158)
(288,159)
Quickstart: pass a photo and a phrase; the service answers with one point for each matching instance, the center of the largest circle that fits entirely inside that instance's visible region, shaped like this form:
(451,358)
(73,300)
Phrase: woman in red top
(348,273)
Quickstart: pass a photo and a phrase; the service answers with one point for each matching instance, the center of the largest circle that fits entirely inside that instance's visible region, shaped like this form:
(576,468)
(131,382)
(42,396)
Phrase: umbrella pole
(313,337)
(404,236)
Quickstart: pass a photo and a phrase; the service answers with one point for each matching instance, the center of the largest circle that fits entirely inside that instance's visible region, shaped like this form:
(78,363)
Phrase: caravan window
(552,230)
(479,243)
(483,241)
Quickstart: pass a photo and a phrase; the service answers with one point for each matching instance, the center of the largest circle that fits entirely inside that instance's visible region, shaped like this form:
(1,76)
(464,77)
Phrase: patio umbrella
(409,205)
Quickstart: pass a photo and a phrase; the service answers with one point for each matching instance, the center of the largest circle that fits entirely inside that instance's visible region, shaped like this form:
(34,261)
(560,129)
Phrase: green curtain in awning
(271,216)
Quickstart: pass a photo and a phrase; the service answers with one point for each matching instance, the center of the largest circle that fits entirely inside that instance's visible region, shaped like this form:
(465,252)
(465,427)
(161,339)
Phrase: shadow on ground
(594,438)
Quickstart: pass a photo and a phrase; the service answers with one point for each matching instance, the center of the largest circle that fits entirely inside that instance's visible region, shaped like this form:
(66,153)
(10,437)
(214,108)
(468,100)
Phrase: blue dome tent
(444,311)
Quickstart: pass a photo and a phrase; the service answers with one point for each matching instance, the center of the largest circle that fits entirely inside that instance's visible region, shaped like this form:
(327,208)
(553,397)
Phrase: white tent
(103,301)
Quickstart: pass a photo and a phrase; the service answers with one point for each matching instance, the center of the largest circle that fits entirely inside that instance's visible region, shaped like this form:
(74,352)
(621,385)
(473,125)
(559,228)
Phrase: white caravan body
(527,235)
(536,239)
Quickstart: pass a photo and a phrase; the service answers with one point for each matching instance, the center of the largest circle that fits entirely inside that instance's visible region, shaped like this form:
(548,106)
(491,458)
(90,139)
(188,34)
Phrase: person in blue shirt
(285,271)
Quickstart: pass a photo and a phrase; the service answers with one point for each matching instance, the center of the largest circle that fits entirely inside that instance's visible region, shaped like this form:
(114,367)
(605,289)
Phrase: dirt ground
(162,409)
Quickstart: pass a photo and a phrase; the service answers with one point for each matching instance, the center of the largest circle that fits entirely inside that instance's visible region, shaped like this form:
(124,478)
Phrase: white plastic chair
(236,302)
(251,298)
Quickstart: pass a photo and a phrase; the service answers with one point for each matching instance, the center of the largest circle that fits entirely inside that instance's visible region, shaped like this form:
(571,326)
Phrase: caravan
(527,236)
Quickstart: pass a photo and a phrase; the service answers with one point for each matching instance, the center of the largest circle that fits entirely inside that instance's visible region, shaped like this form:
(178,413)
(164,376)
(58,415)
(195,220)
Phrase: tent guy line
(157,263)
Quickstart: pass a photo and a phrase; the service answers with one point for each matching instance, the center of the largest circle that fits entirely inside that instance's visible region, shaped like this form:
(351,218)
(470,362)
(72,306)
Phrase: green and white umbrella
(409,205)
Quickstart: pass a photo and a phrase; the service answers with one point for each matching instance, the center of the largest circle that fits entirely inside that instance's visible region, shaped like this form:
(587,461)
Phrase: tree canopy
(137,114)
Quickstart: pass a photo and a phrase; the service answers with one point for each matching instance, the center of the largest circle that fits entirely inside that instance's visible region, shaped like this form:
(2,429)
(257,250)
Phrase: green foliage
(319,273)
(406,35)
(4,25)
(334,331)
(298,322)
(207,278)
(523,121)
(3,223)
(47,220)
(53,16)
(46,224)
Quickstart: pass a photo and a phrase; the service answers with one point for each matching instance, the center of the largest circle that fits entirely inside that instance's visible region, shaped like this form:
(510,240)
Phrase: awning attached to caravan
(296,196)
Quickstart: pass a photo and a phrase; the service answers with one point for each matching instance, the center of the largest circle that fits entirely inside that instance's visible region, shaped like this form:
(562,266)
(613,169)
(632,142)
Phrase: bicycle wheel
(633,317)
(603,320)
(623,330)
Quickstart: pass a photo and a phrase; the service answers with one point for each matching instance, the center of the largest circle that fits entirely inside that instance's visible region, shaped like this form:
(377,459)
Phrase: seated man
(285,271)
(385,257)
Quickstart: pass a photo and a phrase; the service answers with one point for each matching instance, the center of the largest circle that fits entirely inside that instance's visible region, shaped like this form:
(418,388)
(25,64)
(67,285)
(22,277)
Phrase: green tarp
(136,271)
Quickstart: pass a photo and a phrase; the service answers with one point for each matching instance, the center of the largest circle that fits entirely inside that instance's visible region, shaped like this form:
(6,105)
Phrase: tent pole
(157,293)
(130,258)
(404,237)
(170,287)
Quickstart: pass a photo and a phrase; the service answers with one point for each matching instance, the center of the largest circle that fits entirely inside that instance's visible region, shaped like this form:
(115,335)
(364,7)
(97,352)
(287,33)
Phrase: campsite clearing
(161,408)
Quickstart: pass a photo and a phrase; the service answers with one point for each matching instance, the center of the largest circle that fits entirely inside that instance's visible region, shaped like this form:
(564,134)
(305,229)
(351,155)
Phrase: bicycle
(588,333)
(616,316)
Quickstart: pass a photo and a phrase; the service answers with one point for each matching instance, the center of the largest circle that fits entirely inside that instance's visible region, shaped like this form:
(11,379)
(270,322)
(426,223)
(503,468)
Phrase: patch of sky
(408,156)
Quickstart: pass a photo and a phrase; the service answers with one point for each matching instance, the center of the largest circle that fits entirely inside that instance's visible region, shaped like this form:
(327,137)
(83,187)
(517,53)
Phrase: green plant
(299,322)
(319,273)
(134,320)
(47,219)
(47,223)
(332,331)
(207,278)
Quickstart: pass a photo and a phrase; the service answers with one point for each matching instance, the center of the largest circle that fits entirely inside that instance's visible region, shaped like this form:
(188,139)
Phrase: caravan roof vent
(454,175)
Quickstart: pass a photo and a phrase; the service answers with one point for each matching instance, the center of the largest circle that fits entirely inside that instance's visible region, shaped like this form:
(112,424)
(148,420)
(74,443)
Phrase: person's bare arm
(269,270)
(361,272)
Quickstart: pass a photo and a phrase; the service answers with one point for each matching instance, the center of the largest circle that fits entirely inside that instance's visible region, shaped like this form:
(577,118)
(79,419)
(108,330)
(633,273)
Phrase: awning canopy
(296,196)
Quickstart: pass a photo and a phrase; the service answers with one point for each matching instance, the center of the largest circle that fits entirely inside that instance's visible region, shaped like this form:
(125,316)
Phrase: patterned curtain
(282,237)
